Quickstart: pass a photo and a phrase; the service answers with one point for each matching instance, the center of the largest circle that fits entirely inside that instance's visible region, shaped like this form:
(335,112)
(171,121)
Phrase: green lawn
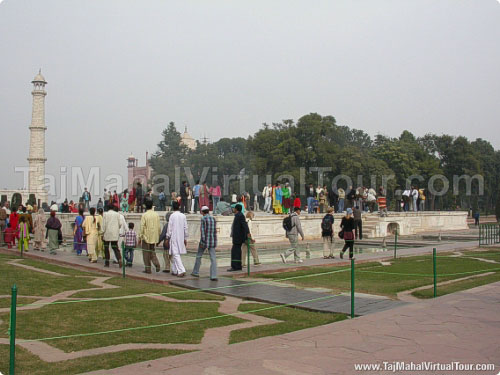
(403,274)
(32,283)
(91,317)
(293,319)
(6,301)
(29,364)
(129,287)
(493,254)
(458,286)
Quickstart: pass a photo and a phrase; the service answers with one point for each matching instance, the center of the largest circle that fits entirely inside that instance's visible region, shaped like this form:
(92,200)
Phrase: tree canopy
(297,149)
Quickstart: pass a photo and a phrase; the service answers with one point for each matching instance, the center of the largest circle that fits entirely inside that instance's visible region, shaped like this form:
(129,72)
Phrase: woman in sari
(53,232)
(116,200)
(286,198)
(14,221)
(277,199)
(39,228)
(91,232)
(78,243)
(204,199)
(124,201)
(100,242)
(131,200)
(24,234)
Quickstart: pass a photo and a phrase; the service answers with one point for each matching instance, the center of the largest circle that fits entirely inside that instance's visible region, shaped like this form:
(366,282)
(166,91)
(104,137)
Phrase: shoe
(326,257)
(93,261)
(341,255)
(174,274)
(195,275)
(181,274)
(257,264)
(166,271)
(352,258)
(114,262)
(331,257)
(157,268)
(299,261)
(214,279)
(283,259)
(231,270)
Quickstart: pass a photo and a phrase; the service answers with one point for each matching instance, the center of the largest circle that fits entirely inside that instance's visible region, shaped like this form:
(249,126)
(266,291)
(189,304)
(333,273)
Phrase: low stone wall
(268,228)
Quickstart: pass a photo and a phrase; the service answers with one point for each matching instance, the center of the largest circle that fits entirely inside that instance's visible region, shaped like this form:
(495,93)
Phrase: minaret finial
(185,129)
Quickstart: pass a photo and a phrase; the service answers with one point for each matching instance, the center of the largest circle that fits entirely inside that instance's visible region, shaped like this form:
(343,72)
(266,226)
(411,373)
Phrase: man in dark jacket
(351,197)
(139,193)
(184,197)
(239,233)
(333,198)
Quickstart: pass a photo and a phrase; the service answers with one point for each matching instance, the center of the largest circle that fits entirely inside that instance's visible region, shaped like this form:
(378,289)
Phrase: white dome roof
(39,77)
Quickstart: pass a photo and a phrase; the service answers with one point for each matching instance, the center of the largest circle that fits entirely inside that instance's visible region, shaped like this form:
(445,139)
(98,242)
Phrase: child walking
(130,244)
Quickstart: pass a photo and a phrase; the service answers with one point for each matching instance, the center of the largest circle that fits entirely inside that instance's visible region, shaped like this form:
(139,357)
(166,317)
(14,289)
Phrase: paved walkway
(288,295)
(462,327)
(69,258)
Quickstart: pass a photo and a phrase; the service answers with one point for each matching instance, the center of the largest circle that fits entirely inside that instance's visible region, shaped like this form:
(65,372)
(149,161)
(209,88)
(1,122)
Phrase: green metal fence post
(248,257)
(123,259)
(12,331)
(434,267)
(395,242)
(352,288)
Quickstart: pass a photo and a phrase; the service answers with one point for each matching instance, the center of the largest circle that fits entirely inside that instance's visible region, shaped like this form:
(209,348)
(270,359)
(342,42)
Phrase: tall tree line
(295,150)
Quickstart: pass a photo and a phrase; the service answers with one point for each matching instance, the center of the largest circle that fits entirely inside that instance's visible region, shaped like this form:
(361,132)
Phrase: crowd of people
(105,226)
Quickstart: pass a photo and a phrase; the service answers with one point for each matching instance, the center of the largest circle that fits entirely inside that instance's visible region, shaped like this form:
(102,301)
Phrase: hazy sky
(119,71)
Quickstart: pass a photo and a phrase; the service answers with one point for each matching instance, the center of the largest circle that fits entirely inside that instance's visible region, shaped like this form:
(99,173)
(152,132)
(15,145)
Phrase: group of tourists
(412,199)
(20,223)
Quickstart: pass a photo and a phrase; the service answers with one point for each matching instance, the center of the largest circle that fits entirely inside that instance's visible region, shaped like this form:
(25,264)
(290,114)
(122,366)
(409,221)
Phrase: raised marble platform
(268,228)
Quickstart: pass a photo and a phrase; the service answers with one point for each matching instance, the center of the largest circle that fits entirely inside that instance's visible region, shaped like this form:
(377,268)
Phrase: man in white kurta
(111,224)
(177,234)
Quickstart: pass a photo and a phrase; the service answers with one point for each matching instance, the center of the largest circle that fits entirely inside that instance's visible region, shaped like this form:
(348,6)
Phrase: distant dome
(187,140)
(39,77)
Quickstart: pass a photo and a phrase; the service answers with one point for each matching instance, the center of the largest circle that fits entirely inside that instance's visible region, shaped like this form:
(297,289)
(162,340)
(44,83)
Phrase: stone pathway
(282,295)
(462,327)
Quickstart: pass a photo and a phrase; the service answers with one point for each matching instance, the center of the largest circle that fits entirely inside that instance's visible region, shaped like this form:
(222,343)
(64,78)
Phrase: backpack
(326,223)
(287,223)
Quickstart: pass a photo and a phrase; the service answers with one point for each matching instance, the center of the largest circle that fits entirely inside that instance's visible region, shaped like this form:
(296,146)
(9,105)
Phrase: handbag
(341,234)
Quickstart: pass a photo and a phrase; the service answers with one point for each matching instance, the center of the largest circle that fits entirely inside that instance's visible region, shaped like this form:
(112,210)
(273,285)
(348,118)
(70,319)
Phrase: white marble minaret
(36,157)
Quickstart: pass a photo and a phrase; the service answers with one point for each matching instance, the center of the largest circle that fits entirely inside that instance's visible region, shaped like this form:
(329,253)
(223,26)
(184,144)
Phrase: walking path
(462,327)
(69,258)
(280,295)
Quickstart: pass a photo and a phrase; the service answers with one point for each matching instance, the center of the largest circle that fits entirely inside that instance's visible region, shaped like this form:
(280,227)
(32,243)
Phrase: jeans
(341,204)
(87,205)
(215,201)
(422,206)
(213,262)
(415,204)
(310,201)
(129,255)
(161,205)
(197,204)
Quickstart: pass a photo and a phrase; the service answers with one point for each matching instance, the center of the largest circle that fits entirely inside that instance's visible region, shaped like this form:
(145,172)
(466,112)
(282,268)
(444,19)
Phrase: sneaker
(283,259)
(195,275)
